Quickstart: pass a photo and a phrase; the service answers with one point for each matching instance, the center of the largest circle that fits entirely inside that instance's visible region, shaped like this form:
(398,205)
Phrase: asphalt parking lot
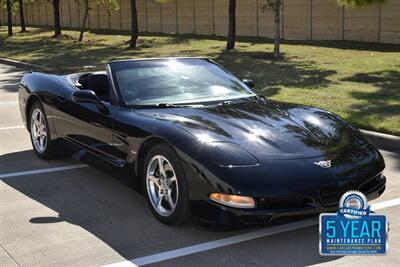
(68,213)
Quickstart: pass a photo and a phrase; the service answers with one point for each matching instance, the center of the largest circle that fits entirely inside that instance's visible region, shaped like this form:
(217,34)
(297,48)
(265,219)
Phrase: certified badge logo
(354,229)
(353,205)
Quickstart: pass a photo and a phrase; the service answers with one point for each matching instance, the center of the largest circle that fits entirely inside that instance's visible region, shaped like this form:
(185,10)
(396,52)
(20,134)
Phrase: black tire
(53,149)
(181,214)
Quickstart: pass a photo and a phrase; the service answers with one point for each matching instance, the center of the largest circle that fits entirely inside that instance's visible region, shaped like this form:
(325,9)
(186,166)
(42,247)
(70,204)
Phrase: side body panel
(85,125)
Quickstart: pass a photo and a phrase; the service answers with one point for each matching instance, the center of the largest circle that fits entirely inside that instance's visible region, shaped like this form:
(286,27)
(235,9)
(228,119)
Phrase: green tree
(134,25)
(359,3)
(12,6)
(21,15)
(87,6)
(275,6)
(9,5)
(86,9)
(232,25)
(57,20)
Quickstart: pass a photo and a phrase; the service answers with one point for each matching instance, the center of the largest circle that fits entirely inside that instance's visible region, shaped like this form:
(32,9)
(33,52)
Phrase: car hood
(267,129)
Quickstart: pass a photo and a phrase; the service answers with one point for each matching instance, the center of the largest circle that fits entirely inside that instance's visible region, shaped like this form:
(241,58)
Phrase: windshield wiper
(226,102)
(170,105)
(166,105)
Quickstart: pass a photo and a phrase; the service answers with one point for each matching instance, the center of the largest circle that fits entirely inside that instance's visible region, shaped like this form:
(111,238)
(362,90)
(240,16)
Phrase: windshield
(175,81)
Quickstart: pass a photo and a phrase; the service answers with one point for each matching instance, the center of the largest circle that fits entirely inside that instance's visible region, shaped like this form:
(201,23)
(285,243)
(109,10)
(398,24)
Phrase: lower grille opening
(284,202)
(255,218)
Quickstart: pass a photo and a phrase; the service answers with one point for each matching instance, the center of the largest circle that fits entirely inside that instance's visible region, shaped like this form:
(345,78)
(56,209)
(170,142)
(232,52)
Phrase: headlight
(228,154)
(233,200)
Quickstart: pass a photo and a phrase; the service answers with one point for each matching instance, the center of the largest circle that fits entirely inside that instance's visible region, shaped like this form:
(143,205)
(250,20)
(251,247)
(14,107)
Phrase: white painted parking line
(8,103)
(172,254)
(55,169)
(385,204)
(12,127)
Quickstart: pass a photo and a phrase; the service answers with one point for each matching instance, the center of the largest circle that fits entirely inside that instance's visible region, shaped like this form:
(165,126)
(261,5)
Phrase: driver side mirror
(249,83)
(88,96)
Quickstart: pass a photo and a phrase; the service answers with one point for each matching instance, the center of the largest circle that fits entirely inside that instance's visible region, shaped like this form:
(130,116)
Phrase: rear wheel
(42,144)
(165,186)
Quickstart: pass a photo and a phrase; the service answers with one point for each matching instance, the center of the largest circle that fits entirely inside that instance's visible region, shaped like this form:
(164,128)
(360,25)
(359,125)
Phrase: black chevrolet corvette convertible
(200,141)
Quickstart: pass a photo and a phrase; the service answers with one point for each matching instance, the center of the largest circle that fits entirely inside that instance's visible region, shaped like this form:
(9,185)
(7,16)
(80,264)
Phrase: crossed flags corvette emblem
(323,163)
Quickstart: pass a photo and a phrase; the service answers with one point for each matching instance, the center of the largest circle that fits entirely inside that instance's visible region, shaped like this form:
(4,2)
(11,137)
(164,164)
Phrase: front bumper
(269,209)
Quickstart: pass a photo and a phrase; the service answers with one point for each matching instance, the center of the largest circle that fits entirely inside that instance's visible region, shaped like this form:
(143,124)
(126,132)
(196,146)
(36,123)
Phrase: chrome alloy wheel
(162,185)
(38,130)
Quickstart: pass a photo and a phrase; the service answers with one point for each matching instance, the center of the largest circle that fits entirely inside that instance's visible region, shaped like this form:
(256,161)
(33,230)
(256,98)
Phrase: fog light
(233,201)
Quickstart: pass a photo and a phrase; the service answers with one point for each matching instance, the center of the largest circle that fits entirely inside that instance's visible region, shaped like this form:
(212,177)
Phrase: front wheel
(165,186)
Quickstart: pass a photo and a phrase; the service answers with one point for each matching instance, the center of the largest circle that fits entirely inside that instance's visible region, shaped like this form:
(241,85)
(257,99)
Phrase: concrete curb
(383,141)
(24,65)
